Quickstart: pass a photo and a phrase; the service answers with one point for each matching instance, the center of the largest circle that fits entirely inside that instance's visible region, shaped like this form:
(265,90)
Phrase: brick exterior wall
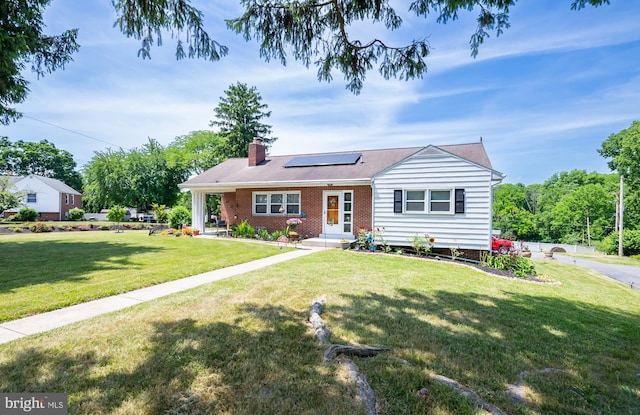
(75,201)
(236,207)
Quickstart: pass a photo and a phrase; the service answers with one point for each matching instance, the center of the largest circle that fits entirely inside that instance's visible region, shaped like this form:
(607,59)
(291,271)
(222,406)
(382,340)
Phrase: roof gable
(55,184)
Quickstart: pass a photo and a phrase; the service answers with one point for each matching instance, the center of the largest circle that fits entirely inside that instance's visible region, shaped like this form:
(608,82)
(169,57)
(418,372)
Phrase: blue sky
(544,95)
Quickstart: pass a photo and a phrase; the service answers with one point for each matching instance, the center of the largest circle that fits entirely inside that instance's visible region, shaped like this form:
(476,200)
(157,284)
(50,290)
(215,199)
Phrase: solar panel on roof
(323,160)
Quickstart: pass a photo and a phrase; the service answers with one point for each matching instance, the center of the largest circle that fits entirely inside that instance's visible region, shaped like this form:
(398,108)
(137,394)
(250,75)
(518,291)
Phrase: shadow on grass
(265,361)
(33,262)
(486,342)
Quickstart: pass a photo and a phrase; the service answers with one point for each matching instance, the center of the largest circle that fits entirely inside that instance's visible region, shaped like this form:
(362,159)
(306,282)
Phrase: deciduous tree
(42,158)
(623,151)
(9,196)
(201,150)
(136,178)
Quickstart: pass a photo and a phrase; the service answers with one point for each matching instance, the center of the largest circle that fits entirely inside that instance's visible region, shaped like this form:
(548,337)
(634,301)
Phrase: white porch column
(198,209)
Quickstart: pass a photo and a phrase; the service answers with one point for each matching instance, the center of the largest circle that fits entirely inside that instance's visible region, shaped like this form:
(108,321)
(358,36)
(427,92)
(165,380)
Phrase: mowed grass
(46,271)
(243,345)
(604,258)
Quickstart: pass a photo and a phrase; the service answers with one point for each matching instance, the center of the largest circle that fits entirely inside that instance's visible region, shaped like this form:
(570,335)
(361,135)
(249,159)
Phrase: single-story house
(444,191)
(51,198)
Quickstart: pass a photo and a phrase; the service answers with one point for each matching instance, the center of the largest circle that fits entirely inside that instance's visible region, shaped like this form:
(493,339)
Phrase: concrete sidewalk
(12,330)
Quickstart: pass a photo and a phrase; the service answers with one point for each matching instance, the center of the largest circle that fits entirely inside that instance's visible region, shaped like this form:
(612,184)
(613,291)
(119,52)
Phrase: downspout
(373,203)
(490,217)
(493,185)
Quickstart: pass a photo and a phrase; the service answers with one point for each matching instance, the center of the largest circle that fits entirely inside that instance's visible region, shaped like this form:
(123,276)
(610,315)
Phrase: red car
(502,246)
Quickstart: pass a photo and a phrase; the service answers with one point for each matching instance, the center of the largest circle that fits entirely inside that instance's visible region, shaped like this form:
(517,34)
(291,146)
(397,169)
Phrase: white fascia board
(231,187)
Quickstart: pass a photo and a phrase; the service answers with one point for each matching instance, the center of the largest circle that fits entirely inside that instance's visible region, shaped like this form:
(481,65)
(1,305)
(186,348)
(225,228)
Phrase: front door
(337,213)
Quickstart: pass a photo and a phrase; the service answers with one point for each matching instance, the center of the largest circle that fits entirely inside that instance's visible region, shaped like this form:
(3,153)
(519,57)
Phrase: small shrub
(116,214)
(40,227)
(244,230)
(275,235)
(160,211)
(264,235)
(27,214)
(179,216)
(520,266)
(75,214)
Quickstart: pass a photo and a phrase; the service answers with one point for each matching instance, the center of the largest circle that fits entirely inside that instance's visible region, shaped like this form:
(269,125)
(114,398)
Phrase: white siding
(47,198)
(469,230)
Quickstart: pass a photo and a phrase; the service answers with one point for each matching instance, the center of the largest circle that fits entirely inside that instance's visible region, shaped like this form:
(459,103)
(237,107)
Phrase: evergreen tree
(239,117)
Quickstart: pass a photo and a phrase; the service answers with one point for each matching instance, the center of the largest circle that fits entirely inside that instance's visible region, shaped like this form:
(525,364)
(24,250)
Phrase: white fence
(543,246)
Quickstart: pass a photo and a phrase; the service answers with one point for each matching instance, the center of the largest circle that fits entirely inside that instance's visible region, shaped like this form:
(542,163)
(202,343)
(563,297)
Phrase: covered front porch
(327,213)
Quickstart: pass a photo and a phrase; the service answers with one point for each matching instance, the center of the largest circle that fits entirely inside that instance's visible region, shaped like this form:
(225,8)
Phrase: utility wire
(71,131)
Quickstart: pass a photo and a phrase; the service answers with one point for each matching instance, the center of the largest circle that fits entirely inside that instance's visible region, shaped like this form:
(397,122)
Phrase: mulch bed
(74,228)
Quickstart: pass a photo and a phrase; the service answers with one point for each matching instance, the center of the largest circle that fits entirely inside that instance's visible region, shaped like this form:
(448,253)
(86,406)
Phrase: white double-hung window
(434,201)
(276,203)
(440,201)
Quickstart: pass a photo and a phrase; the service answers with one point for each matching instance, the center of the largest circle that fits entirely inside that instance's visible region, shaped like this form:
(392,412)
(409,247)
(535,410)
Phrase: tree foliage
(145,20)
(201,150)
(569,207)
(22,43)
(239,116)
(135,178)
(311,32)
(42,158)
(319,32)
(9,197)
(623,151)
(116,214)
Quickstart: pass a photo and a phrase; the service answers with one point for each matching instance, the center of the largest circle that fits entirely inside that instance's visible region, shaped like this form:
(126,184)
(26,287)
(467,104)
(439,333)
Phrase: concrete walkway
(12,330)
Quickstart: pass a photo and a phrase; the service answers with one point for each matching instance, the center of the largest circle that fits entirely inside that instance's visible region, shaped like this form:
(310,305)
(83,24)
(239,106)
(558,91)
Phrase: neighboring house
(51,198)
(445,191)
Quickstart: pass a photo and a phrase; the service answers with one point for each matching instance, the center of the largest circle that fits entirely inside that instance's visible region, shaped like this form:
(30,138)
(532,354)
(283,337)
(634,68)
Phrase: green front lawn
(604,258)
(244,346)
(46,271)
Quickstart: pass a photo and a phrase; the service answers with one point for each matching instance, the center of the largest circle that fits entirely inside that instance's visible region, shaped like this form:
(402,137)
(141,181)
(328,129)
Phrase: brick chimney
(257,152)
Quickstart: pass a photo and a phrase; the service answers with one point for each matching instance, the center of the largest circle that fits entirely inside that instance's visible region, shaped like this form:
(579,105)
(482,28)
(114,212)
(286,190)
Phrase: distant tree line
(575,207)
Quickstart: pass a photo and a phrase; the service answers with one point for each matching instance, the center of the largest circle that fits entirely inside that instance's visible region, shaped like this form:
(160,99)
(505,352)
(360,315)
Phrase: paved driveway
(627,274)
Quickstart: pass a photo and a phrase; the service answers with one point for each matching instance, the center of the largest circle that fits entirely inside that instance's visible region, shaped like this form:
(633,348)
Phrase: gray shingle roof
(237,172)
(56,184)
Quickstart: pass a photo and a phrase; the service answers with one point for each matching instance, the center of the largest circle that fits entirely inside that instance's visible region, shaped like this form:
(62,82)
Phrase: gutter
(305,183)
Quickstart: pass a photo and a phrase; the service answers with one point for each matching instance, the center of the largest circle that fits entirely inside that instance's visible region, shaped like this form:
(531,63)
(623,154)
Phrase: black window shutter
(397,201)
(459,200)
